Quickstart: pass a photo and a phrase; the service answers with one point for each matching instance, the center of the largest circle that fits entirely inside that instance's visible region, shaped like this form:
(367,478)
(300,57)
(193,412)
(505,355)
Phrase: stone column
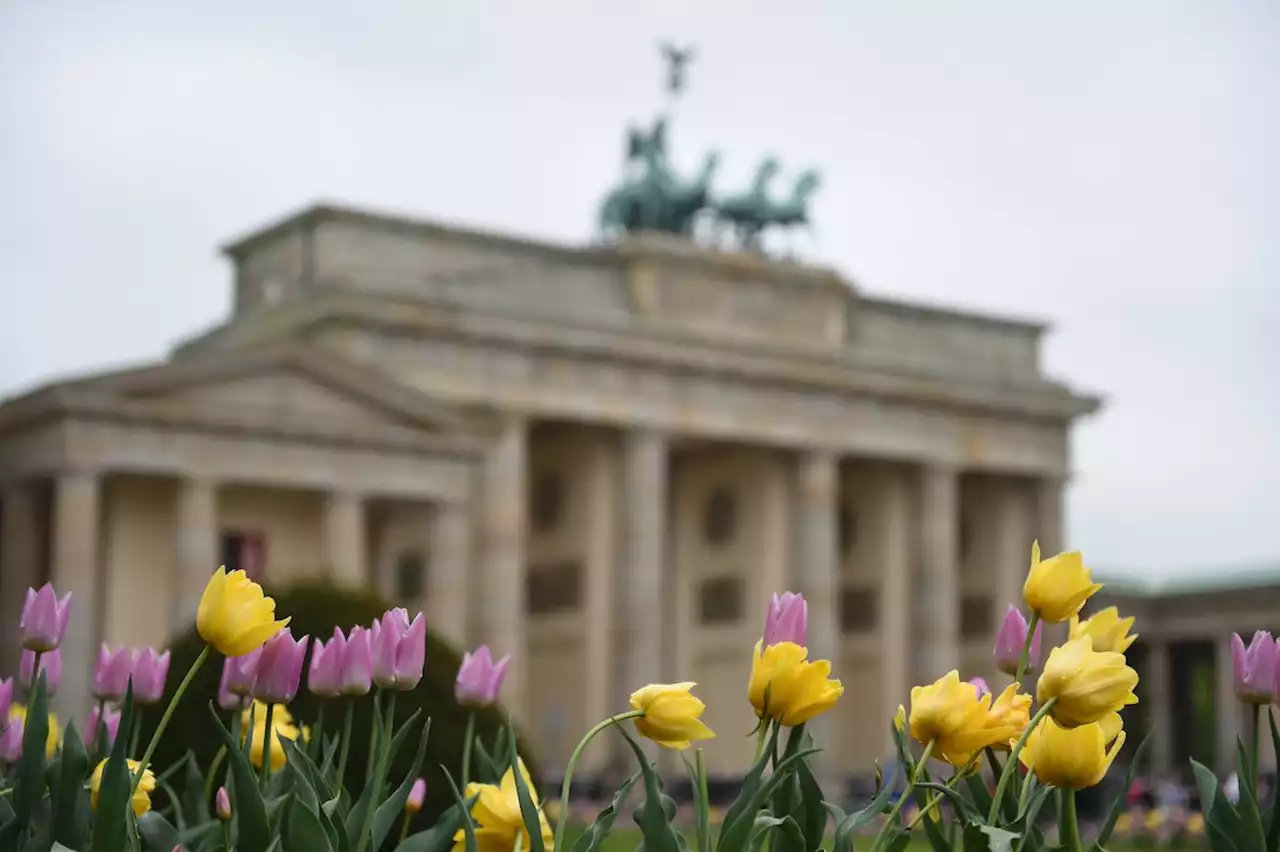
(940,576)
(817,571)
(641,626)
(197,548)
(501,613)
(1227,707)
(599,593)
(76,567)
(345,539)
(895,600)
(1012,552)
(447,571)
(1156,693)
(18,568)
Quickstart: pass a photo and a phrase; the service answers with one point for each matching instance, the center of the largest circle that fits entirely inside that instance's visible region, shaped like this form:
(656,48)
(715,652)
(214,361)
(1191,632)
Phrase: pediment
(290,388)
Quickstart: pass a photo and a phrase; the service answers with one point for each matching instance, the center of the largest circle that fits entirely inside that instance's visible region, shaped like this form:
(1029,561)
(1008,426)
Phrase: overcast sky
(1113,167)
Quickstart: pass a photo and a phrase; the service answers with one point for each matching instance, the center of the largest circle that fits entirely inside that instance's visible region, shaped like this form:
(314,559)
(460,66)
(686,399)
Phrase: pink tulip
(11,741)
(50,664)
(222,804)
(6,699)
(111,673)
(241,672)
(150,671)
(324,677)
(44,619)
(981,685)
(787,621)
(479,678)
(357,663)
(227,699)
(110,718)
(280,668)
(1010,641)
(399,649)
(1254,668)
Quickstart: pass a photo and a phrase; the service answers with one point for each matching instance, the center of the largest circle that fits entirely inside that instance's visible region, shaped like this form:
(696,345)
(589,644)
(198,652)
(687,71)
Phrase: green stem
(168,714)
(950,785)
(6,791)
(380,769)
(466,750)
(762,735)
(226,835)
(700,767)
(573,762)
(135,732)
(1254,771)
(1025,659)
(35,674)
(404,828)
(1010,765)
(1068,825)
(374,731)
(264,771)
(345,746)
(316,749)
(902,800)
(214,767)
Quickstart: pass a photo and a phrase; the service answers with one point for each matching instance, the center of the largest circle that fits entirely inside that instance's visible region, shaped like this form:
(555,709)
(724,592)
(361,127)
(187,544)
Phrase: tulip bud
(981,685)
(44,619)
(11,740)
(324,678)
(150,670)
(222,804)
(108,721)
(1012,638)
(50,664)
(280,668)
(399,649)
(111,673)
(6,699)
(240,673)
(417,794)
(357,662)
(1254,669)
(787,621)
(479,678)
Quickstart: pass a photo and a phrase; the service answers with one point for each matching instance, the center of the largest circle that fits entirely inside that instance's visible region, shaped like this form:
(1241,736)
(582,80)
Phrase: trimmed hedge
(316,608)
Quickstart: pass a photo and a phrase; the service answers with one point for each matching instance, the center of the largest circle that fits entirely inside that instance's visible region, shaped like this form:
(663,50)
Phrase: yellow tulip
(282,726)
(1073,758)
(796,688)
(949,714)
(1087,684)
(1011,708)
(671,714)
(496,813)
(235,617)
(19,713)
(1058,587)
(141,799)
(1108,630)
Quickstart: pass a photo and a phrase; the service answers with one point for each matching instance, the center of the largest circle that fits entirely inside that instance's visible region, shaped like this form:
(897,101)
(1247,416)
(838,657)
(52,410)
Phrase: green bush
(316,608)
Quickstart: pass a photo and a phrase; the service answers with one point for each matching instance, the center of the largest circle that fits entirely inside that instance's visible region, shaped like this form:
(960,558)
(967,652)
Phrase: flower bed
(979,768)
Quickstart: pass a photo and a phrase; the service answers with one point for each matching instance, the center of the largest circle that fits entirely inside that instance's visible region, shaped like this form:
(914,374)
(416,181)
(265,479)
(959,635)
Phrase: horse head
(806,184)
(765,172)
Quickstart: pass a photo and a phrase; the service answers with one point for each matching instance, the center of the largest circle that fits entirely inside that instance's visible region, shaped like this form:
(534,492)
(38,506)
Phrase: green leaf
(732,837)
(847,826)
(373,784)
(963,806)
(1117,807)
(387,813)
(247,808)
(194,807)
(655,826)
(439,838)
(1273,825)
(172,794)
(701,807)
(484,769)
(305,833)
(70,813)
(528,808)
(200,838)
(468,824)
(316,777)
(812,816)
(113,819)
(157,834)
(738,812)
(593,838)
(29,784)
